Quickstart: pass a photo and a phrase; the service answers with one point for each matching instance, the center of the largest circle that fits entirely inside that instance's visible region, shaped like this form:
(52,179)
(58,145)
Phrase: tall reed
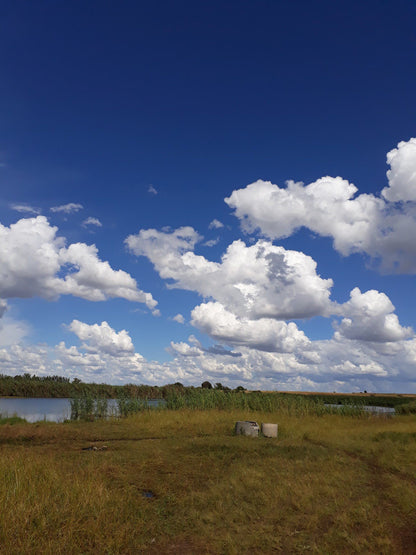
(290,405)
(88,408)
(130,405)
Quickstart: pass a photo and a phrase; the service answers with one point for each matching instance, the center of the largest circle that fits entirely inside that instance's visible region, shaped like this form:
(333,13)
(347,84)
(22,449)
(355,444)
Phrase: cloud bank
(108,355)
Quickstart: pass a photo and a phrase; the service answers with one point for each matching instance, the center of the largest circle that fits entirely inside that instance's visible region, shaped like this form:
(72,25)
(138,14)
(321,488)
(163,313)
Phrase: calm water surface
(367,408)
(54,410)
(33,410)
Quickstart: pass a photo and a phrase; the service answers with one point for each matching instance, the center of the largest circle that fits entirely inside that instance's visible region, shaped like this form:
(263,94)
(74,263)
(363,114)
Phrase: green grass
(14,419)
(329,484)
(407,408)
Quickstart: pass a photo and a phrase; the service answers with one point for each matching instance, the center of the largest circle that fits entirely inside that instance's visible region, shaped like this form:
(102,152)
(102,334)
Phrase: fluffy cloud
(184,349)
(326,206)
(253,287)
(171,254)
(160,244)
(259,281)
(215,224)
(264,334)
(95,280)
(67,208)
(179,318)
(369,317)
(251,291)
(329,207)
(92,221)
(102,338)
(105,353)
(402,173)
(34,261)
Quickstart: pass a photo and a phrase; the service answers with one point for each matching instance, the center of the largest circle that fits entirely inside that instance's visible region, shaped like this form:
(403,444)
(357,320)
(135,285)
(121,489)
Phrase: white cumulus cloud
(215,224)
(34,261)
(179,318)
(258,281)
(326,206)
(263,334)
(366,223)
(253,288)
(369,317)
(184,349)
(101,338)
(402,172)
(92,221)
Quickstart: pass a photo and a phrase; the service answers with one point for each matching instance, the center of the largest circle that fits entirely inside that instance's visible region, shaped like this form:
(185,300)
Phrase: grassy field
(181,482)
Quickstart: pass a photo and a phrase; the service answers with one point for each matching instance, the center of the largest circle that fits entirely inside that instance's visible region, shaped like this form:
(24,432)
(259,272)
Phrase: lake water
(53,410)
(367,408)
(33,410)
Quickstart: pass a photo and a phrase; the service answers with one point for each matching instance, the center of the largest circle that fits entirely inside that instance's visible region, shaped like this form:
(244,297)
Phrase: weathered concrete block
(269,430)
(247,428)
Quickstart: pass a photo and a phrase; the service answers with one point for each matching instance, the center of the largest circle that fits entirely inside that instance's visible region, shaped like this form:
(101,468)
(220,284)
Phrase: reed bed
(407,408)
(291,405)
(90,408)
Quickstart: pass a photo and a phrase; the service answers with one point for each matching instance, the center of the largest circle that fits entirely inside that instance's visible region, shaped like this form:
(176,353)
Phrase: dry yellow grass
(332,484)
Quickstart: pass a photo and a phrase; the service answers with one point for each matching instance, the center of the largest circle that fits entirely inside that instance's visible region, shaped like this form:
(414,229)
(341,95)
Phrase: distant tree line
(26,385)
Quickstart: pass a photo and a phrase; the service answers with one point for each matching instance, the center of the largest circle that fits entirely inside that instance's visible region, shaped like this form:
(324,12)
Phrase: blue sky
(221,191)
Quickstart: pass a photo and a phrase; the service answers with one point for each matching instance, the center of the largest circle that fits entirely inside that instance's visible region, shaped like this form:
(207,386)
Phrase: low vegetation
(87,407)
(407,408)
(179,481)
(290,404)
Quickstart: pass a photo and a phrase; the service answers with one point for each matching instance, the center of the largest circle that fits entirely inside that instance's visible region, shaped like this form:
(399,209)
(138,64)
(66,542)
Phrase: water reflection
(52,410)
(33,410)
(367,408)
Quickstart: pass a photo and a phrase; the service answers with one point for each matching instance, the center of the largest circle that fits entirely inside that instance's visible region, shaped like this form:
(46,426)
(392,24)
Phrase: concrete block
(269,430)
(247,428)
